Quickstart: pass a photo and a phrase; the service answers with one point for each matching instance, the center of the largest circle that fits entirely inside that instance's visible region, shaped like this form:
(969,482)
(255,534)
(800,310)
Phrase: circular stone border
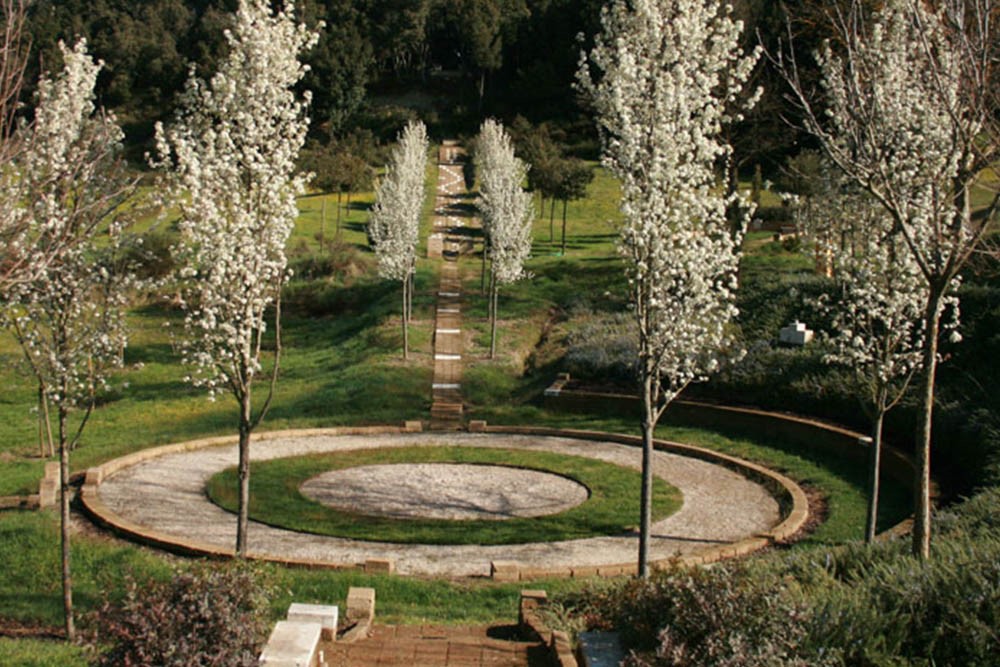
(791,498)
(612,493)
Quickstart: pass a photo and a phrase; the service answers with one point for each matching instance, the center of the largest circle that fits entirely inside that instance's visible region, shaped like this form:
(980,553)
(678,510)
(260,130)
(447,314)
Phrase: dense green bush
(854,605)
(209,616)
(715,617)
(602,348)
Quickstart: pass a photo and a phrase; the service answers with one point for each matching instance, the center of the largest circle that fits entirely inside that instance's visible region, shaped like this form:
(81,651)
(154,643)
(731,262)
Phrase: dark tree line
(511,57)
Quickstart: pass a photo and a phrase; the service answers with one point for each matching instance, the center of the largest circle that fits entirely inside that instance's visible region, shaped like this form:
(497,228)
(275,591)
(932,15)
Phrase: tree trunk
(339,207)
(322,226)
(922,483)
(243,521)
(482,271)
(45,440)
(494,290)
(406,318)
(646,495)
(874,475)
(563,251)
(482,89)
(64,520)
(552,218)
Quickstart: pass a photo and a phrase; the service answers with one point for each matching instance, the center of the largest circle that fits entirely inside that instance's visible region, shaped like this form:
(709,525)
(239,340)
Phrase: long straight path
(449,241)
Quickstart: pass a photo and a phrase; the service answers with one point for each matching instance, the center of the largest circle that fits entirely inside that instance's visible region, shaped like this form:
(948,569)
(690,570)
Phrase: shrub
(603,348)
(210,616)
(714,617)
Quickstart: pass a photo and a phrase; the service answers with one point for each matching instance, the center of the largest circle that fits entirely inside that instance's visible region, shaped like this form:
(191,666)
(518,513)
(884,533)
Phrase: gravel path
(167,494)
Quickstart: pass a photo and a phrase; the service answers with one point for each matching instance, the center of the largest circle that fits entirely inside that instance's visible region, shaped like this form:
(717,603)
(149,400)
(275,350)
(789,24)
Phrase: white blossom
(395,219)
(505,210)
(660,77)
(232,151)
(912,118)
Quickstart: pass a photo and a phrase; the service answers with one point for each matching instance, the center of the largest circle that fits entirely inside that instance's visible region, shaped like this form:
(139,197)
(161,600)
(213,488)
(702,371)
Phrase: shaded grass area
(611,508)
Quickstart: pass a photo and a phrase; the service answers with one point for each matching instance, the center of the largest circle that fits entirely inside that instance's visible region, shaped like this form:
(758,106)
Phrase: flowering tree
(68,314)
(914,118)
(395,221)
(505,210)
(663,74)
(232,149)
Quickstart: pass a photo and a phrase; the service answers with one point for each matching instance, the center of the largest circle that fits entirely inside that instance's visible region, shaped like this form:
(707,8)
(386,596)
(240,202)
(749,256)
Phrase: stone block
(324,614)
(795,333)
(477,426)
(504,570)
(380,566)
(360,604)
(48,492)
(413,426)
(94,476)
(531,599)
(292,644)
(52,471)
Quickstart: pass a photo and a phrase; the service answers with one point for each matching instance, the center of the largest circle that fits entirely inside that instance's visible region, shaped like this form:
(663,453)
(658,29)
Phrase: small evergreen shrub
(210,616)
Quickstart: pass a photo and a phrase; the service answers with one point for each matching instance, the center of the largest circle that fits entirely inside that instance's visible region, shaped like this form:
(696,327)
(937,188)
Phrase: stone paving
(167,494)
(448,242)
(437,646)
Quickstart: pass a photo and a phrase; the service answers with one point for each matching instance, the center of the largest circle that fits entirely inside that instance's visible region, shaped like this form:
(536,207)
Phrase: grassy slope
(342,366)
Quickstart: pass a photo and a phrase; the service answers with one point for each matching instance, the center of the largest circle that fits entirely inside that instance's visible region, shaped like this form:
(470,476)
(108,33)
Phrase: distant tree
(68,313)
(574,177)
(660,77)
(341,64)
(232,151)
(400,33)
(506,212)
(536,145)
(912,116)
(395,220)
(483,25)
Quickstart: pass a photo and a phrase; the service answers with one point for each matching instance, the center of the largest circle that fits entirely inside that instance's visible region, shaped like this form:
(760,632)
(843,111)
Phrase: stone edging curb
(793,502)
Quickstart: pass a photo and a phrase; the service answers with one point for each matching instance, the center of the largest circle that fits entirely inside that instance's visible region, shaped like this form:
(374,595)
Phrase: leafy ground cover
(275,498)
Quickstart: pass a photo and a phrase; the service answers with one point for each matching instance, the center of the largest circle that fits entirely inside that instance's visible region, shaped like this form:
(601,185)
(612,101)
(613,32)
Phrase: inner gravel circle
(457,491)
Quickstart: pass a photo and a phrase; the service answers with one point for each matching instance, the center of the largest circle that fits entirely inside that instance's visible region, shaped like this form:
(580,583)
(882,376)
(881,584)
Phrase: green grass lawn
(610,509)
(342,365)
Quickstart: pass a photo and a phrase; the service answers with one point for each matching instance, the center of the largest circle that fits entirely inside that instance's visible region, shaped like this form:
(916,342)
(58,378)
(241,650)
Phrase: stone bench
(324,614)
(293,644)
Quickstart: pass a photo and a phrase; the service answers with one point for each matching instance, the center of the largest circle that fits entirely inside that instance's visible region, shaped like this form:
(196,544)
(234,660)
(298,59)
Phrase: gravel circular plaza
(167,496)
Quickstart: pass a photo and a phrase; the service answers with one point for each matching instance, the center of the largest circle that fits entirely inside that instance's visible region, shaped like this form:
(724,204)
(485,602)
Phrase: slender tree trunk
(243,521)
(922,483)
(646,495)
(406,318)
(339,208)
(482,271)
(552,218)
(322,226)
(494,291)
(45,440)
(563,251)
(64,520)
(482,89)
(874,475)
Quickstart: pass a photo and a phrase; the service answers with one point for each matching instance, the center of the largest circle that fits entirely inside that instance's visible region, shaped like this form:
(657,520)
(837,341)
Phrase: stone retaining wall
(802,431)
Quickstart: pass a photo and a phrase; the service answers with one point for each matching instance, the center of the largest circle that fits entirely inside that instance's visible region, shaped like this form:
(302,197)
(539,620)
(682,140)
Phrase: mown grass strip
(611,509)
